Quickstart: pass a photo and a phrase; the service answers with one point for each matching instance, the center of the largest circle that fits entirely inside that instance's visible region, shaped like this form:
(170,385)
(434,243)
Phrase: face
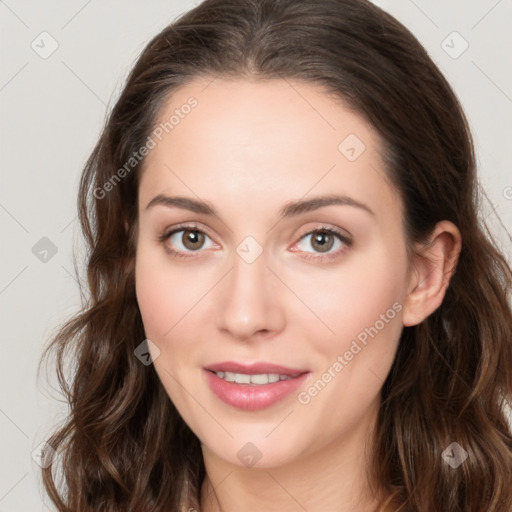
(270,251)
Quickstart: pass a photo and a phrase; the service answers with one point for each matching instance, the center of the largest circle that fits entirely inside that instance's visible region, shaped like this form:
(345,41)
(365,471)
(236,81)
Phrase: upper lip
(254,368)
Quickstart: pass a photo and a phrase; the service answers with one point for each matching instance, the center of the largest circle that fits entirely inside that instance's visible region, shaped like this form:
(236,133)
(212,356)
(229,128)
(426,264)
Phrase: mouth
(253,387)
(258,379)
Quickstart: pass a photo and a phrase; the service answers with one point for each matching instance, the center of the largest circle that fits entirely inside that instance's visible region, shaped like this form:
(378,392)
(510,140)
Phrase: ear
(433,266)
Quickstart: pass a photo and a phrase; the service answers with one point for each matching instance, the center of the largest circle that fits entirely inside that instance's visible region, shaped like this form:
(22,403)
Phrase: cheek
(363,308)
(356,359)
(351,300)
(154,301)
(165,295)
(165,292)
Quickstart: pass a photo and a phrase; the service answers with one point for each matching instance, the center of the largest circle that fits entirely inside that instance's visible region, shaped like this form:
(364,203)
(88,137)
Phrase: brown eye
(192,239)
(322,241)
(185,240)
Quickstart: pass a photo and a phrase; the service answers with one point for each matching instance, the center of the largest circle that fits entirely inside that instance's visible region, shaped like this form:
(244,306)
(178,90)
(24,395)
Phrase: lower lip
(252,397)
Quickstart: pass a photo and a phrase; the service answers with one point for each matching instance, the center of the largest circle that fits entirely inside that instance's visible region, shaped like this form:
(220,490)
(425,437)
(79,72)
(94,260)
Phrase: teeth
(259,379)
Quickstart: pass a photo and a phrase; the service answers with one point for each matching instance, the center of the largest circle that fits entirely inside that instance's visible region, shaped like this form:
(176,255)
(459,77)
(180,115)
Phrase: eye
(323,240)
(185,239)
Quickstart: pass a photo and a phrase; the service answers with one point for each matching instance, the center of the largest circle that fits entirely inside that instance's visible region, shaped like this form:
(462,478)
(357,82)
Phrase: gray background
(52,109)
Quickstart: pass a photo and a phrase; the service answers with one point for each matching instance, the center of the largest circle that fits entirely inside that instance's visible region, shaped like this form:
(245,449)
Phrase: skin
(248,148)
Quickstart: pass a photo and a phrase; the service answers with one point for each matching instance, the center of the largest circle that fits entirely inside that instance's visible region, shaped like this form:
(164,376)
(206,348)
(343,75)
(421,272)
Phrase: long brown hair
(124,447)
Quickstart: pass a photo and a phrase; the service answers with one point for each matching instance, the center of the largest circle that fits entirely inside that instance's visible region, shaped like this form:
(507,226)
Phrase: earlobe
(434,265)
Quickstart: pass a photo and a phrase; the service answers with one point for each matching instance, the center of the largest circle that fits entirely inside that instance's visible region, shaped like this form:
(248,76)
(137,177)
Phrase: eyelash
(309,256)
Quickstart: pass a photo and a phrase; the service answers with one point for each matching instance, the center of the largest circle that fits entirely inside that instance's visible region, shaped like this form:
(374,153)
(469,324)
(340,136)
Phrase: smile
(250,387)
(257,380)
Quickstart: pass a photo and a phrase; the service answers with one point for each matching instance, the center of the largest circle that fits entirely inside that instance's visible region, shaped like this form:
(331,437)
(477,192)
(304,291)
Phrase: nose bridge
(247,303)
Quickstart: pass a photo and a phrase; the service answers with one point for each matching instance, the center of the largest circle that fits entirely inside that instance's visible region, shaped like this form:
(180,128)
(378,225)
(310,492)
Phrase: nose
(248,303)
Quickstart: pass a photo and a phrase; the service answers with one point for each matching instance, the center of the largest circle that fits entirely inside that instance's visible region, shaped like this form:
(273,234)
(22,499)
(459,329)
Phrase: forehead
(278,139)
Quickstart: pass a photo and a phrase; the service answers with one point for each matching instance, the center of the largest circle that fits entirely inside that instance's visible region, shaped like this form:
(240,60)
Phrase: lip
(254,368)
(250,397)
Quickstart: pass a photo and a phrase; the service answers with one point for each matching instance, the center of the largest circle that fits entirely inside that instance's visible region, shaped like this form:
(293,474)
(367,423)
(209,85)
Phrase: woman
(292,303)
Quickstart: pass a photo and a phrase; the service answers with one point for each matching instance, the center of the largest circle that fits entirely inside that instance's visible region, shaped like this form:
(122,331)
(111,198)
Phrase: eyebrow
(290,209)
